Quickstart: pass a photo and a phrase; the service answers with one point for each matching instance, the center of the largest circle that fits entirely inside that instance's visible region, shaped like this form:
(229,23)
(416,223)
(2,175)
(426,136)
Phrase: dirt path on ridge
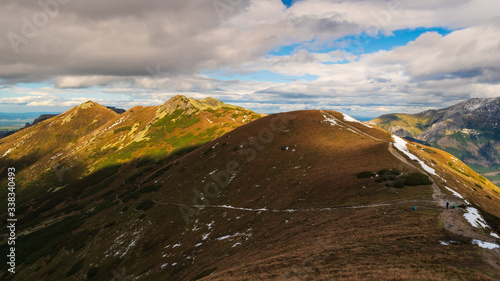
(453,219)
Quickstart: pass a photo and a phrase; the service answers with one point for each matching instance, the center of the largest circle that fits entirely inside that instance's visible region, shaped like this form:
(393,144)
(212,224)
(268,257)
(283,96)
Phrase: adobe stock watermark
(121,275)
(221,179)
(65,167)
(11,219)
(49,9)
(379,20)
(383,17)
(155,74)
(224,8)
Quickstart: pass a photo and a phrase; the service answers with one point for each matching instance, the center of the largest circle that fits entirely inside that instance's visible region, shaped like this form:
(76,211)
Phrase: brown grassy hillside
(280,198)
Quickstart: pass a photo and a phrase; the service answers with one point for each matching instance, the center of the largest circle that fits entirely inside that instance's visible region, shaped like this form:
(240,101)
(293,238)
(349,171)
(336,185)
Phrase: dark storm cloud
(131,38)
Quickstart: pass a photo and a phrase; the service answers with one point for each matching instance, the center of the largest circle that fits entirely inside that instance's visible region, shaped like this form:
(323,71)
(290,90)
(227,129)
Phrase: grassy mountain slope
(414,124)
(91,137)
(32,144)
(280,198)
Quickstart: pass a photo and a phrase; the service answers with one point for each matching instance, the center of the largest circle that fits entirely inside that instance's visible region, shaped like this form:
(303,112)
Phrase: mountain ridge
(90,136)
(469,130)
(283,196)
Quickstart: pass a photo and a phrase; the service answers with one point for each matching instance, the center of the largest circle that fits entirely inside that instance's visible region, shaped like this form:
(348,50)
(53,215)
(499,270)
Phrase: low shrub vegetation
(145,205)
(389,172)
(92,272)
(150,188)
(364,175)
(74,269)
(395,184)
(122,129)
(413,179)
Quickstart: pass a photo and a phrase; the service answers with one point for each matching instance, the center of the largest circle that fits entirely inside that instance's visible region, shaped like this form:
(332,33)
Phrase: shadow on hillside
(37,199)
(119,181)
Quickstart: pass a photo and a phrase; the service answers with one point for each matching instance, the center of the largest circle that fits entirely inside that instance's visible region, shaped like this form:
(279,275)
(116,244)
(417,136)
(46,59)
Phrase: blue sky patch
(288,3)
(363,44)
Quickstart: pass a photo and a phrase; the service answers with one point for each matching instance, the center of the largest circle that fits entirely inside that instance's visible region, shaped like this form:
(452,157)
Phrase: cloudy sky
(362,57)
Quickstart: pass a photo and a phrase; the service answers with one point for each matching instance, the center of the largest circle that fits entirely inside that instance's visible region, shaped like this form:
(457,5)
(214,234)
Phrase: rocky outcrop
(400,132)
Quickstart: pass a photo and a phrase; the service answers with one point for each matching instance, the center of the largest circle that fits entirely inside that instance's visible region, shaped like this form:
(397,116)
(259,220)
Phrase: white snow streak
(486,245)
(400,144)
(330,120)
(454,192)
(474,218)
(350,119)
(228,236)
(8,151)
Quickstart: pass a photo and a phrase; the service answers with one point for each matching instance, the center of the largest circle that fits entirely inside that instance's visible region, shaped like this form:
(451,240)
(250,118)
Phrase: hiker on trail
(414,208)
(447,204)
(453,207)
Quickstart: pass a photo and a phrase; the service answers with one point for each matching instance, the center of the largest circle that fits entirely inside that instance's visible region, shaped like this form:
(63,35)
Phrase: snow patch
(485,245)
(332,121)
(454,192)
(495,235)
(474,218)
(55,156)
(8,151)
(228,236)
(243,209)
(400,144)
(350,119)
(352,131)
(444,243)
(119,121)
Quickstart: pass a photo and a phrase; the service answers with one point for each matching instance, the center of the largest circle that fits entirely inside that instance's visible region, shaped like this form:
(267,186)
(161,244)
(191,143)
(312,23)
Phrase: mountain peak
(176,102)
(465,107)
(191,104)
(88,110)
(209,103)
(87,104)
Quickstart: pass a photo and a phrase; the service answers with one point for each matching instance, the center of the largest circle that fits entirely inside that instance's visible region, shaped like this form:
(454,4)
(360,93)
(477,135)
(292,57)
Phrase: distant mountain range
(202,190)
(470,130)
